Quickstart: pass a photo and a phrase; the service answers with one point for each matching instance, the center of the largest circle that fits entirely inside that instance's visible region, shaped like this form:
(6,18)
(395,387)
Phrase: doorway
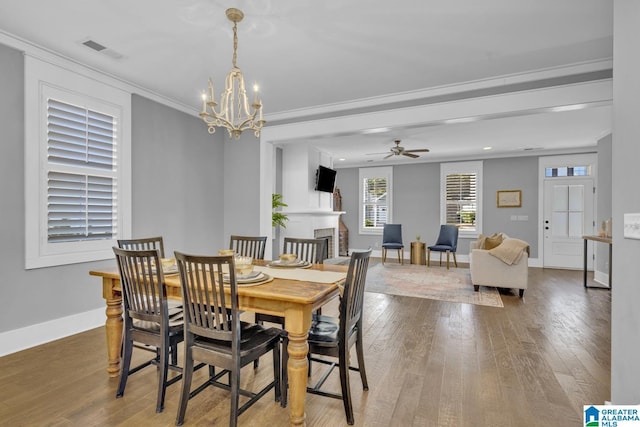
(567,209)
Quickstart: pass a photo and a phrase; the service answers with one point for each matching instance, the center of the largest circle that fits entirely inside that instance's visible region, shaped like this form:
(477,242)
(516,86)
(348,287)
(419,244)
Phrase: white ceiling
(316,53)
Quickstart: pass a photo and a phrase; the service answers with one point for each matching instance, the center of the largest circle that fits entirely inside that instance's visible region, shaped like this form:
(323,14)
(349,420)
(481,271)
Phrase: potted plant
(278,218)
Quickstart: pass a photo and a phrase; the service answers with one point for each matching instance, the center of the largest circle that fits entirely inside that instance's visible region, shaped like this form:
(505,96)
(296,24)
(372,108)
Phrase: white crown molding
(54,58)
(515,103)
(578,68)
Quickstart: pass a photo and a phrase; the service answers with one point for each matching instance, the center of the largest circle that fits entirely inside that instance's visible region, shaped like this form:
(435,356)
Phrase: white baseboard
(535,262)
(33,335)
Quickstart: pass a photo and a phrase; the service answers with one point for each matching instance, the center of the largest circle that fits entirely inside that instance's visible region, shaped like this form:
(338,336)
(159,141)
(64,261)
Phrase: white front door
(568,215)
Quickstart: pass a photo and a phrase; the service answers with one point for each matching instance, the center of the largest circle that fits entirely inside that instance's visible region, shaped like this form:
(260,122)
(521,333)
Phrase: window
(81,173)
(460,196)
(565,171)
(77,166)
(375,198)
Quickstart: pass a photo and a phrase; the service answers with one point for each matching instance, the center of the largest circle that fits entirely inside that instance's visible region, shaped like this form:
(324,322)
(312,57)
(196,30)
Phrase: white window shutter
(461,200)
(81,175)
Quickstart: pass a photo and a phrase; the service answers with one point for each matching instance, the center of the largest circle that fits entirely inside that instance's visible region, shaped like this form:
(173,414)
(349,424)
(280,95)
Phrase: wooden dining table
(295,300)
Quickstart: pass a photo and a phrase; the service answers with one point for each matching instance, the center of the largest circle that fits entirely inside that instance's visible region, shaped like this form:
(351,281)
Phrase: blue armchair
(447,242)
(392,239)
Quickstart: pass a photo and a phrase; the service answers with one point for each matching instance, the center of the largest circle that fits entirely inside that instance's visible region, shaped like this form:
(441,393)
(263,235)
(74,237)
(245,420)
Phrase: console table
(602,239)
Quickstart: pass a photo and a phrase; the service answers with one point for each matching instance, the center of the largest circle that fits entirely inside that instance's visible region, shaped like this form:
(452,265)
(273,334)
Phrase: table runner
(305,275)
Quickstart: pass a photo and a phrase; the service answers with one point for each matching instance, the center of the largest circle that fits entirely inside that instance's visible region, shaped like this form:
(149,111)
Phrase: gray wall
(177,181)
(178,173)
(515,173)
(33,296)
(414,190)
(416,201)
(241,189)
(625,316)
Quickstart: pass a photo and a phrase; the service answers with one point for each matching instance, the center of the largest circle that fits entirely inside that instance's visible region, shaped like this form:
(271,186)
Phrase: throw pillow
(493,241)
(480,241)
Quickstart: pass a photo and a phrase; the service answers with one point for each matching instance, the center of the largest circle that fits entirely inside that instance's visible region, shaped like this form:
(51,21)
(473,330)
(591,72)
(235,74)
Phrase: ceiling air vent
(91,44)
(94,45)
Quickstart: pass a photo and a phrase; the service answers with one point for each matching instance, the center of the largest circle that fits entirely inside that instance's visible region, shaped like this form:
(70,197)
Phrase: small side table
(418,253)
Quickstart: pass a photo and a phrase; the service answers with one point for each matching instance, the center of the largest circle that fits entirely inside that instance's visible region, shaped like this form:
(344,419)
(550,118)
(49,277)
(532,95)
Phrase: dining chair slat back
(142,244)
(253,246)
(310,250)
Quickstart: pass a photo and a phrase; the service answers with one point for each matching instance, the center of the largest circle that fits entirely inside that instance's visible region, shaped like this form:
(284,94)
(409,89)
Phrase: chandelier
(234,113)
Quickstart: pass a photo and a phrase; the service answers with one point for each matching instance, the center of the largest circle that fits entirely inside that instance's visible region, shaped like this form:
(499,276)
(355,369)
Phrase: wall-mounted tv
(325,179)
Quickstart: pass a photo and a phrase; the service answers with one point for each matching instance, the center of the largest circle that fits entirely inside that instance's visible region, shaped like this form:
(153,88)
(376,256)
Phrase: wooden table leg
(297,323)
(113,325)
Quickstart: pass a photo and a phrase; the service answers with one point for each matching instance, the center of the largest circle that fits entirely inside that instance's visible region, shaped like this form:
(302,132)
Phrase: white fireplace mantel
(302,223)
(318,212)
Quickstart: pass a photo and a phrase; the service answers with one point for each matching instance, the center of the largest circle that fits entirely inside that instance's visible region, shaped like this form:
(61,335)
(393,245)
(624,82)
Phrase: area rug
(436,283)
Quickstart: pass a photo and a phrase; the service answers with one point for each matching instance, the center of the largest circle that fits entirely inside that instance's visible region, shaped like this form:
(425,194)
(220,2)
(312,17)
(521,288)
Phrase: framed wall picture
(509,198)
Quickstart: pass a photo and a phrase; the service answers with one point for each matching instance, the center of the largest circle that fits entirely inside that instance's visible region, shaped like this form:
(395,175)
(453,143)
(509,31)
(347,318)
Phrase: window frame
(474,167)
(369,173)
(44,80)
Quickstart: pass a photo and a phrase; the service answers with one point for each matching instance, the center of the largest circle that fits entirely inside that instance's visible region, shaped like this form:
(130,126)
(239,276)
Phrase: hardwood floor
(534,362)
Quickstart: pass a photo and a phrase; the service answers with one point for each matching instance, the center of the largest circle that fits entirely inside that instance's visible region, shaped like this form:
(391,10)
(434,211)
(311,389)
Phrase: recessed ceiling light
(568,107)
(375,130)
(342,159)
(461,120)
(487,148)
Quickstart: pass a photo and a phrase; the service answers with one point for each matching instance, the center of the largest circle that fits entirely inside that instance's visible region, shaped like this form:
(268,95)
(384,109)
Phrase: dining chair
(392,239)
(447,242)
(311,250)
(334,337)
(148,318)
(249,245)
(144,243)
(215,335)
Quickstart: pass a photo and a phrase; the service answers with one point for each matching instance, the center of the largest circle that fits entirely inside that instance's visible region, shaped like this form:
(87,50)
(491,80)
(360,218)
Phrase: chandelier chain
(235,44)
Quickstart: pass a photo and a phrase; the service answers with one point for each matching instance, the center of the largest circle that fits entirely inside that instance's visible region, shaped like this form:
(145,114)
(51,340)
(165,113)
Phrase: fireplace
(327,234)
(314,224)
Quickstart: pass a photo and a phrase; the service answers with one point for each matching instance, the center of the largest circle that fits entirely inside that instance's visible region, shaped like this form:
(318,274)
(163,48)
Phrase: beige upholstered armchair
(505,266)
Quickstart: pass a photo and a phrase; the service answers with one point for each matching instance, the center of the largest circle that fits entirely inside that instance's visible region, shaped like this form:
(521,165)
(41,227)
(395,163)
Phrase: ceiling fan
(398,150)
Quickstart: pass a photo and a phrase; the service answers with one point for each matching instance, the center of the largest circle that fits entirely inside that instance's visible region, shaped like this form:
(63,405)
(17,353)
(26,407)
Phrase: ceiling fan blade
(413,156)
(419,150)
(386,157)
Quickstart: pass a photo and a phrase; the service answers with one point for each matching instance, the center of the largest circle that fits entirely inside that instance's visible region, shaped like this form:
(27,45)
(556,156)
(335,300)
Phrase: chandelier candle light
(234,113)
